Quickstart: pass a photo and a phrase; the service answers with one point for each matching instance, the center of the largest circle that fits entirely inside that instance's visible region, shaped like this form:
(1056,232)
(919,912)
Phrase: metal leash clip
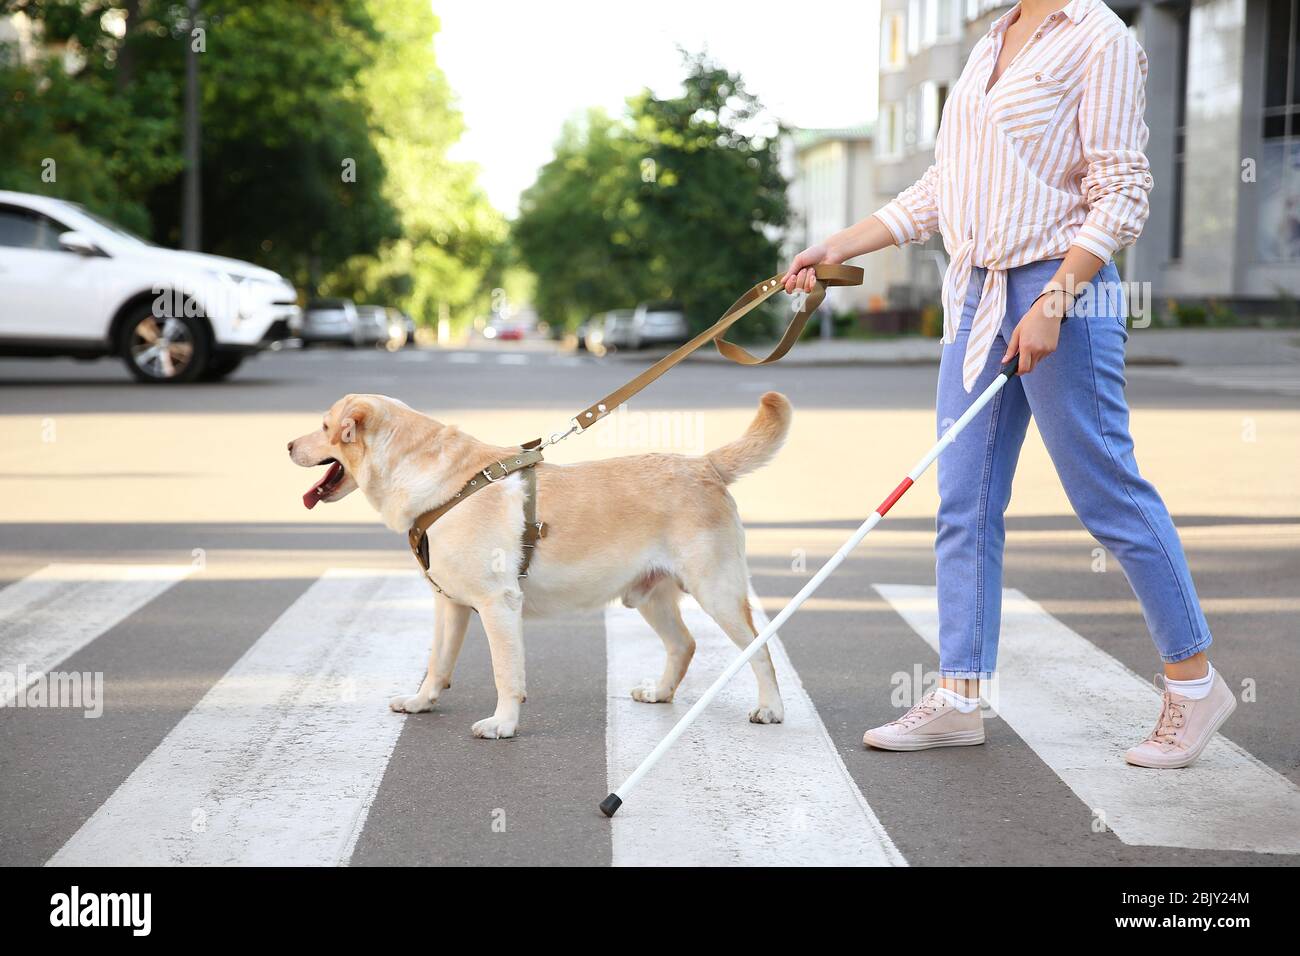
(557,437)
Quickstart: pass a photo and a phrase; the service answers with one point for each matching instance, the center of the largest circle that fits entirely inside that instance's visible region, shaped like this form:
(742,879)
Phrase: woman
(1039,177)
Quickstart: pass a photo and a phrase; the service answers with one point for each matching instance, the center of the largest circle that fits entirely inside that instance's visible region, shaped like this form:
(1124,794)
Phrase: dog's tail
(760,443)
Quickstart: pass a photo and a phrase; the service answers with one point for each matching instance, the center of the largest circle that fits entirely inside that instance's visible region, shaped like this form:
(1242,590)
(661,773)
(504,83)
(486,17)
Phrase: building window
(889,142)
(915,26)
(977,8)
(928,125)
(911,117)
(892,40)
(939,21)
(943,19)
(1278,238)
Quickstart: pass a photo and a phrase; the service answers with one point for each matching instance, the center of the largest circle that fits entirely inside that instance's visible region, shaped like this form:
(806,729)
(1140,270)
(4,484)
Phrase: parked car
(330,321)
(372,326)
(401,329)
(75,284)
(658,324)
(615,330)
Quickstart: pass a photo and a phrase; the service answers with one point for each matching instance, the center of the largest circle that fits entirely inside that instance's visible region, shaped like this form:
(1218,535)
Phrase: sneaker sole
(1191,756)
(956,738)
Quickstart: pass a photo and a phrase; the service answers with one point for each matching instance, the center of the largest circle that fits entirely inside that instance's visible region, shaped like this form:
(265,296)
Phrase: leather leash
(827,275)
(530,453)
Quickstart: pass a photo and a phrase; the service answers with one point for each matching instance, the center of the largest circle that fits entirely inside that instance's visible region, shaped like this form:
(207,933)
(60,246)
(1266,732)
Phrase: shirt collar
(1075,10)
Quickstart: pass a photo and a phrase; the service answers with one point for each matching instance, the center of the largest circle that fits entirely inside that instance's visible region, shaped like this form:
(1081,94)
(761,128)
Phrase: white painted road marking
(732,792)
(464,358)
(279,762)
(54,612)
(1080,709)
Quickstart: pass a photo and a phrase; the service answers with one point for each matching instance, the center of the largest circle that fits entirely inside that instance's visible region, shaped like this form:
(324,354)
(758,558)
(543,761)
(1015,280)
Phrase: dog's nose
(291,448)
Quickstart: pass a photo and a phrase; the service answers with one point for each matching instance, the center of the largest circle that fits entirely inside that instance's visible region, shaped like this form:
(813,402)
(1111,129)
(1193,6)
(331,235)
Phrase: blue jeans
(1076,397)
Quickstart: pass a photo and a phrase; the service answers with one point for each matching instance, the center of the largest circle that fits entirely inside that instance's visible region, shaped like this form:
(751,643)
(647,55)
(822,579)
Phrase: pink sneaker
(934,722)
(1184,727)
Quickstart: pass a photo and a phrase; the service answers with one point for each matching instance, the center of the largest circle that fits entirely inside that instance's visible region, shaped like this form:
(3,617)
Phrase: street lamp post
(191,209)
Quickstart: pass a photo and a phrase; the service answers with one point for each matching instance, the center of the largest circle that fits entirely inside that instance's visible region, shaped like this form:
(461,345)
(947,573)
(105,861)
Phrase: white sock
(964,704)
(1193,689)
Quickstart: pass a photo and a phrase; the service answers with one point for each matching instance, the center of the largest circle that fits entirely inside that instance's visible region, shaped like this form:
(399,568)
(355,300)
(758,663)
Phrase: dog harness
(523,462)
(530,453)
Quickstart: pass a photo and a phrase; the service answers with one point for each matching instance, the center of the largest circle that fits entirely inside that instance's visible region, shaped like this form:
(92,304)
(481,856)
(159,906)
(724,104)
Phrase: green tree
(291,174)
(447,252)
(580,229)
(712,198)
(70,127)
(680,199)
(325,130)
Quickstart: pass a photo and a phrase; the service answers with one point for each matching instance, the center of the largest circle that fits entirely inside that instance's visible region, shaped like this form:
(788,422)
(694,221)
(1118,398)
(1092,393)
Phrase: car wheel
(164,351)
(221,366)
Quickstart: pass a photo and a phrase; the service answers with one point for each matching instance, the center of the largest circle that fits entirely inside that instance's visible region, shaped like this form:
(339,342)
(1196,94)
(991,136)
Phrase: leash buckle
(574,428)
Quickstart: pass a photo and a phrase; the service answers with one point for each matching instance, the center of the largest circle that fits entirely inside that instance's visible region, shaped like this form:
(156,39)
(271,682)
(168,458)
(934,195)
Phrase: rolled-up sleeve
(1113,135)
(913,215)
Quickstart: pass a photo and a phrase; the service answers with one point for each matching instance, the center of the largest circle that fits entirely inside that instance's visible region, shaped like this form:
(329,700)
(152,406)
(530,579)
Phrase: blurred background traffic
(329,183)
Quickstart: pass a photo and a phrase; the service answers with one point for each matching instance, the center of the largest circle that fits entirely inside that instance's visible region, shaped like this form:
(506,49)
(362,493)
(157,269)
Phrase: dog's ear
(350,420)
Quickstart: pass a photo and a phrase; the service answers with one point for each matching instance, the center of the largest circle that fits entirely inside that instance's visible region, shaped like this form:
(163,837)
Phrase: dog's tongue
(316,491)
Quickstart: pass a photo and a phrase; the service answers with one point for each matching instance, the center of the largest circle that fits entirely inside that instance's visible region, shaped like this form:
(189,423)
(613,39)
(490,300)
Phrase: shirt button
(1038,36)
(1038,77)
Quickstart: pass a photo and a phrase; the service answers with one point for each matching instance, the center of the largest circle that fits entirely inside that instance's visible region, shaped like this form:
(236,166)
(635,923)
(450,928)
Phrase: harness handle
(827,275)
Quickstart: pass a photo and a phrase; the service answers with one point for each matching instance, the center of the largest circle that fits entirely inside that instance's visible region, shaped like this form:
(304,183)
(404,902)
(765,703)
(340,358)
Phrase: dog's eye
(324,427)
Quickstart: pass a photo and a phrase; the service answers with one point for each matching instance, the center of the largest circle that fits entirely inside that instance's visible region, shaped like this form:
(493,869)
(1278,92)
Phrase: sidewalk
(1188,347)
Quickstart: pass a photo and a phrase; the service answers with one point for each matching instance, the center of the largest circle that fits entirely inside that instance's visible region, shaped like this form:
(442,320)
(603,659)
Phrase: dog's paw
(647,692)
(415,704)
(493,728)
(767,715)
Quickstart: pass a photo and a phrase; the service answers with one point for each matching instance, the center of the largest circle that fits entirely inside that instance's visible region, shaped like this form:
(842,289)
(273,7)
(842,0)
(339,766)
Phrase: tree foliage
(680,199)
(325,130)
(450,235)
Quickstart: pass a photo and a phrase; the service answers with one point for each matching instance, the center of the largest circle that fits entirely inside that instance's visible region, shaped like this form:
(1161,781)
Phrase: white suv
(73,284)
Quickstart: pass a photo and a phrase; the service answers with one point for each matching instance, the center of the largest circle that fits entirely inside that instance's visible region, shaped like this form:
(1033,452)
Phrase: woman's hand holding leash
(857,240)
(801,275)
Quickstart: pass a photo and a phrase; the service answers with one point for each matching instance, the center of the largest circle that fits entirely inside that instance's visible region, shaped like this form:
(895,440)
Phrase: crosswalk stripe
(464,358)
(54,612)
(280,760)
(732,792)
(1078,708)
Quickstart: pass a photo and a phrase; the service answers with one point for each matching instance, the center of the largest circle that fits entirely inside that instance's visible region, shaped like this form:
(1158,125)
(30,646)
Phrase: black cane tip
(609,806)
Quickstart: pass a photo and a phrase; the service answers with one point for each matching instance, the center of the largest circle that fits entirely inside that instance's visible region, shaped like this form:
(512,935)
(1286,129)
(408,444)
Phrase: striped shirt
(1051,156)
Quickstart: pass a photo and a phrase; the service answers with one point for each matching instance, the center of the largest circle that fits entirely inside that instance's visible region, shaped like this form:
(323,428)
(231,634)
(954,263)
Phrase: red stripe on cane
(893,496)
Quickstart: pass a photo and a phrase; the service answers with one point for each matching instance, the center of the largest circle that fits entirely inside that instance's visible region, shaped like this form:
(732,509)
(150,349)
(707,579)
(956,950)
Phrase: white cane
(609,806)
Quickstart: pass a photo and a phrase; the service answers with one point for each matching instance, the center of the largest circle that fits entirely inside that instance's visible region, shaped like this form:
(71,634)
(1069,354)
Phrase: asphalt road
(248,648)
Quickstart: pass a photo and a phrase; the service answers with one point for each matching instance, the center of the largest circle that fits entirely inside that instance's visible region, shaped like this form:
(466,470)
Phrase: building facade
(832,175)
(1223,106)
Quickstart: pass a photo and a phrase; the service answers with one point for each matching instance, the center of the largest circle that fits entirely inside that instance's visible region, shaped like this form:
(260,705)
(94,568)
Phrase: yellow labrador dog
(644,528)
